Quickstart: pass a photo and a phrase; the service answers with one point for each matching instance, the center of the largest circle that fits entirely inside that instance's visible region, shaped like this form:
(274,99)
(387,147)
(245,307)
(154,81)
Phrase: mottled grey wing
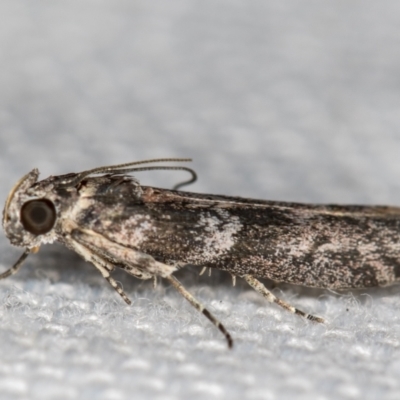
(312,245)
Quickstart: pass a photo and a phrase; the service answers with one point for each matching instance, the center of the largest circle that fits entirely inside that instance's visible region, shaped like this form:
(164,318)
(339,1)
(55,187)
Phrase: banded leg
(260,288)
(16,266)
(102,265)
(199,307)
(106,274)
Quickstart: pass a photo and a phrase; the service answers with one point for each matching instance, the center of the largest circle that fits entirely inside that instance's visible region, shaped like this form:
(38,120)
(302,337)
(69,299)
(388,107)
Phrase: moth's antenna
(188,182)
(125,168)
(166,168)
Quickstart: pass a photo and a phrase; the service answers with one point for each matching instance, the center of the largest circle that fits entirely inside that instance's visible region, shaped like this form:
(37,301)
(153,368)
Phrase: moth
(111,220)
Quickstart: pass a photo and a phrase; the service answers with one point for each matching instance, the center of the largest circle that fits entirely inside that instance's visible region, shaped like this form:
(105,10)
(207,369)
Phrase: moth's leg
(106,274)
(102,265)
(199,307)
(260,288)
(136,263)
(96,248)
(16,266)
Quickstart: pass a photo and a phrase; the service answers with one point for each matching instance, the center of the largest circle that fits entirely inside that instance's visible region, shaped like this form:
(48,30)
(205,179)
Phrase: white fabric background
(287,100)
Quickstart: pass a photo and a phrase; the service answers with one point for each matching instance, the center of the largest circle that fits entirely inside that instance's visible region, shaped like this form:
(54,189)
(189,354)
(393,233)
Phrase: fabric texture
(293,100)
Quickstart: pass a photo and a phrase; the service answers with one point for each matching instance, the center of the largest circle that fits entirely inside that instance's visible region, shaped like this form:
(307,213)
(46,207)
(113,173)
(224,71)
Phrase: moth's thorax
(28,189)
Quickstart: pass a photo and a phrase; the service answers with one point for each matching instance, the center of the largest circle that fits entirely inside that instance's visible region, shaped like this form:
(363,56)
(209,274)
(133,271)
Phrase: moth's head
(29,214)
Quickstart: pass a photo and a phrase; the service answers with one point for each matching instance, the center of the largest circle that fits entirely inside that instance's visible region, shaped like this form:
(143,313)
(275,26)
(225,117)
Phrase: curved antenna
(165,168)
(193,179)
(125,169)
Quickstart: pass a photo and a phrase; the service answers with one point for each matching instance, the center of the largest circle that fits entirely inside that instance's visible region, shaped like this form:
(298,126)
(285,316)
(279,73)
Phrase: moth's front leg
(105,255)
(133,261)
(102,265)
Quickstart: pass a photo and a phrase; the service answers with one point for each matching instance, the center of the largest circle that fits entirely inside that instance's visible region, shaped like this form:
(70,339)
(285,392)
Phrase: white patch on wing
(135,230)
(219,236)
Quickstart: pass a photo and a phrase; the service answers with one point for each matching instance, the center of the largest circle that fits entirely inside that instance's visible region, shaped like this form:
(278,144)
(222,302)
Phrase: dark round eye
(38,216)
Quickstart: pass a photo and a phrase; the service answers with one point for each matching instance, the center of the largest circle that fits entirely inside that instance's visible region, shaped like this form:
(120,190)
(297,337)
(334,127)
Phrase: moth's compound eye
(38,216)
